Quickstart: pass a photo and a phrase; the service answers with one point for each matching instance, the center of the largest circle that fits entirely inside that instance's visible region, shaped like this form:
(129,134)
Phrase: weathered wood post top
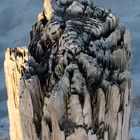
(73,80)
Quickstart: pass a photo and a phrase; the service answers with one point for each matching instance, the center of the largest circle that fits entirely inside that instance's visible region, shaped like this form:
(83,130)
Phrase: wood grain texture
(73,81)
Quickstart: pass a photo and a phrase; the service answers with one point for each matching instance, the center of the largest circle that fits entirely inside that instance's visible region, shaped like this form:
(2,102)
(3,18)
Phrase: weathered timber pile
(73,81)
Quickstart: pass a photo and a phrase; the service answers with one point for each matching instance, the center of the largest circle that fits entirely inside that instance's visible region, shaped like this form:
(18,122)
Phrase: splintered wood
(73,81)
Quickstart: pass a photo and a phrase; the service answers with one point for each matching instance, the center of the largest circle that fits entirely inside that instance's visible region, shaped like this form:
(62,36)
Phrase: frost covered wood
(73,81)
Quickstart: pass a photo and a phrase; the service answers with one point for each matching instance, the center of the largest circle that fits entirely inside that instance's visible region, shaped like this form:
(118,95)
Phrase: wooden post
(73,81)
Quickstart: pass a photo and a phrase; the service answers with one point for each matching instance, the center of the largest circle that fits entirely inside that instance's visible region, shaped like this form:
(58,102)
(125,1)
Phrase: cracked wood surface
(73,81)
